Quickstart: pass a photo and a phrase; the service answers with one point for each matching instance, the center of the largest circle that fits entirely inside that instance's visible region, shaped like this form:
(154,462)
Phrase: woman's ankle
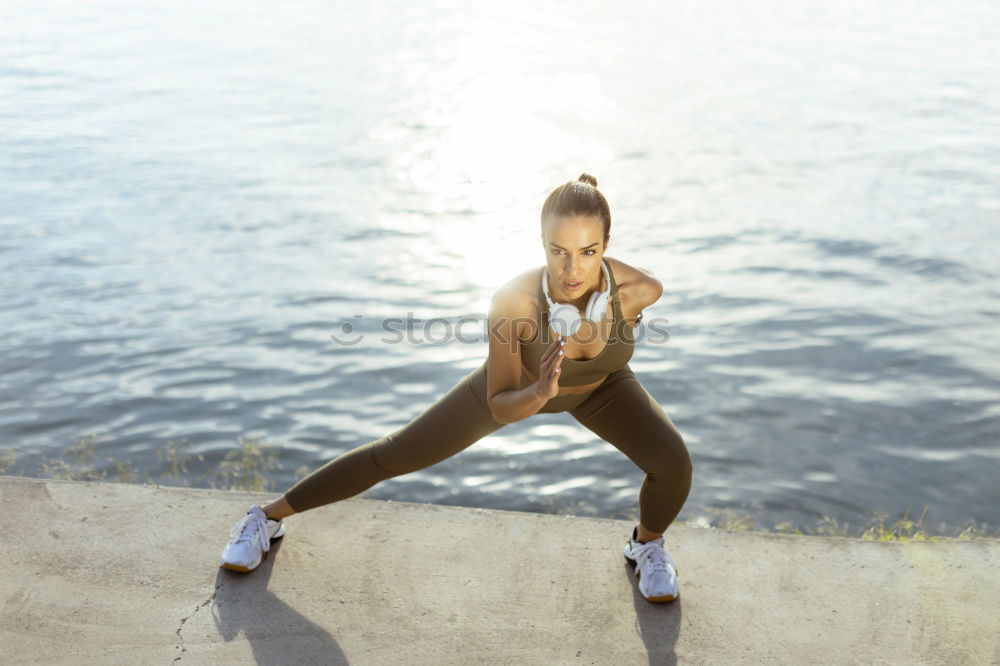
(643,535)
(278,509)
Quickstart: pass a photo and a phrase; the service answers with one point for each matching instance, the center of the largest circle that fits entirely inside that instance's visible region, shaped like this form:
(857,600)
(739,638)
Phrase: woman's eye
(591,251)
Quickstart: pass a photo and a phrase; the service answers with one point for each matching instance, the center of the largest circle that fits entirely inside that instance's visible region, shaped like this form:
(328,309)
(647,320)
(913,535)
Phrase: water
(192,200)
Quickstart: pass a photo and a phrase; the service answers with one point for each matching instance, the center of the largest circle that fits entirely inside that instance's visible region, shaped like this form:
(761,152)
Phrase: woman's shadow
(658,624)
(277,633)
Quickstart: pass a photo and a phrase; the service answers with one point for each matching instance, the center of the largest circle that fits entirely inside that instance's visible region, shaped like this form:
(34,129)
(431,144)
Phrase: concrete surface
(108,573)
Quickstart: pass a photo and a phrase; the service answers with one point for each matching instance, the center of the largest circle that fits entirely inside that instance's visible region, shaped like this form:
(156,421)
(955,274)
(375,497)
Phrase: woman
(560,340)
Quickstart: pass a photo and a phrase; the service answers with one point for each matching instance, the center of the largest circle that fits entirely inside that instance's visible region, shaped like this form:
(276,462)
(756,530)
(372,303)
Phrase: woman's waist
(527,379)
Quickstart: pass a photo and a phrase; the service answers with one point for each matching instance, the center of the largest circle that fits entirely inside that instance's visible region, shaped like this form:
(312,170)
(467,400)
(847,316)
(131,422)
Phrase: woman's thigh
(623,413)
(454,422)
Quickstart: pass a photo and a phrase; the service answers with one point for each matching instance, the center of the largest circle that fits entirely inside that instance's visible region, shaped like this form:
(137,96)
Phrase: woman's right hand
(547,386)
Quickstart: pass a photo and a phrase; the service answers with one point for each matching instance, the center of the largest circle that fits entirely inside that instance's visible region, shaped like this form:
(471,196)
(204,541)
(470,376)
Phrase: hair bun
(587,178)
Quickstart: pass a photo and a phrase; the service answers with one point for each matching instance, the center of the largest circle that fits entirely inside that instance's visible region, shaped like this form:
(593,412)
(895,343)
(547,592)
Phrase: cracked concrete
(99,573)
(185,619)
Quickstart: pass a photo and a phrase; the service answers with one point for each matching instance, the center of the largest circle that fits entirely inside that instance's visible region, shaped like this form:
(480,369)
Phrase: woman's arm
(639,286)
(503,367)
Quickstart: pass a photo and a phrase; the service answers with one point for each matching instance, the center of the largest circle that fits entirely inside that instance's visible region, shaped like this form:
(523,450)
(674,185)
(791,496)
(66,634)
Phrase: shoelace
(652,556)
(252,527)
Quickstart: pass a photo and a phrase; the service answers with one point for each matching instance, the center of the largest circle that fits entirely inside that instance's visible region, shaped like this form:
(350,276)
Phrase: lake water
(193,199)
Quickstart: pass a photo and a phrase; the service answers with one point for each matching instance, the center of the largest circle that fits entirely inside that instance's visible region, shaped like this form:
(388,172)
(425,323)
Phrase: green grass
(242,468)
(879,527)
(245,467)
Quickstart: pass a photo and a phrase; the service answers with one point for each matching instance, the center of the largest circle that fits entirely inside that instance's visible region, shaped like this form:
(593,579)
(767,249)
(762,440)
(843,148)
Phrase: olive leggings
(620,411)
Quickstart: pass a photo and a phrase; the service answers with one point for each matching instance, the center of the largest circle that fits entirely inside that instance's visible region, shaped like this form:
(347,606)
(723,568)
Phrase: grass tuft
(245,467)
(878,528)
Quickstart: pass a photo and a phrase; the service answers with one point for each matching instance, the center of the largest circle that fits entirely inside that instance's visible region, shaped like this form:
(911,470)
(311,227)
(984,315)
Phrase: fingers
(552,354)
(548,354)
(548,371)
(552,375)
(552,350)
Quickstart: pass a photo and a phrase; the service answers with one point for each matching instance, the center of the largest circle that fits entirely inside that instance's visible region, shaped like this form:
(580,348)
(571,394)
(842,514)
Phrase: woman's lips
(572,287)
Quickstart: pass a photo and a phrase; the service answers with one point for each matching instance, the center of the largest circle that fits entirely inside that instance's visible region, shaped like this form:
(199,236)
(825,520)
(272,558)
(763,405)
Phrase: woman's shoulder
(636,286)
(519,295)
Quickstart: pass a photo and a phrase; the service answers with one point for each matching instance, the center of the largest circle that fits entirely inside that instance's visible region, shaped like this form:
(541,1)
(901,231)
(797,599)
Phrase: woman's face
(574,247)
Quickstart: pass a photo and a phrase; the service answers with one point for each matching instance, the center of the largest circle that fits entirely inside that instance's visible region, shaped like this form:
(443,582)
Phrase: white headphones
(564,319)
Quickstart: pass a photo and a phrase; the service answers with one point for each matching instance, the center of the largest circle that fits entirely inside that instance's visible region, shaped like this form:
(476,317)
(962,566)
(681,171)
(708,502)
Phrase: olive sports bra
(614,356)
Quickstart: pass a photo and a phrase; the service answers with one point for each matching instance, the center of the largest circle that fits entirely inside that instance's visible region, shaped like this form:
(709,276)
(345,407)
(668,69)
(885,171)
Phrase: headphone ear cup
(564,319)
(597,306)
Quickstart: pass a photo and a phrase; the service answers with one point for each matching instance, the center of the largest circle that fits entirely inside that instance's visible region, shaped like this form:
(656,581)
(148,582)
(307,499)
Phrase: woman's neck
(580,301)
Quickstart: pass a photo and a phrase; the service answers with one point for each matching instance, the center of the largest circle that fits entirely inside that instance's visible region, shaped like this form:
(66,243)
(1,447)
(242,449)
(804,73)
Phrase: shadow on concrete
(277,633)
(658,624)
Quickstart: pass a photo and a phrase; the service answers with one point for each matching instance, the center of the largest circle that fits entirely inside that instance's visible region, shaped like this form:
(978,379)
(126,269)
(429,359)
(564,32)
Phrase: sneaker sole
(242,569)
(656,600)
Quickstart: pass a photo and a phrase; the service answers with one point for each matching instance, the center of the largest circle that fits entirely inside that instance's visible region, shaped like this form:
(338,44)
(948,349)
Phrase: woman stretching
(560,340)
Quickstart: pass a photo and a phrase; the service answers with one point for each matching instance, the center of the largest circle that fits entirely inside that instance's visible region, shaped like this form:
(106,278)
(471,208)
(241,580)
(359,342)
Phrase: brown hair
(578,197)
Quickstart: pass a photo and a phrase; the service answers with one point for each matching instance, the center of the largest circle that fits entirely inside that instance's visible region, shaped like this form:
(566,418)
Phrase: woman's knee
(671,460)
(388,457)
(401,453)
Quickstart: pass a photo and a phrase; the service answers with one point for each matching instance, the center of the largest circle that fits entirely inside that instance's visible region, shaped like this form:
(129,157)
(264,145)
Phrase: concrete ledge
(109,573)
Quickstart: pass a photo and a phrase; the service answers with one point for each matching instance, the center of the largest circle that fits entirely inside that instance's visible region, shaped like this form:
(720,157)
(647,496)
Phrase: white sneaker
(654,568)
(251,539)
